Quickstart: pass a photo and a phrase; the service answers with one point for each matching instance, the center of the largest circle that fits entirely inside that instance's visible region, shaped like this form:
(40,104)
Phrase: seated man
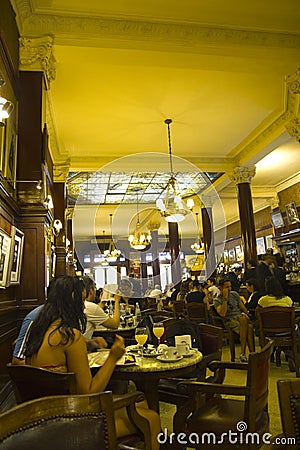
(95,314)
(230,306)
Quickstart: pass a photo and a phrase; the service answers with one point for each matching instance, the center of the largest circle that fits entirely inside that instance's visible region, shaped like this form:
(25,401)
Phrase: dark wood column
(208,238)
(144,274)
(59,194)
(155,256)
(174,245)
(242,176)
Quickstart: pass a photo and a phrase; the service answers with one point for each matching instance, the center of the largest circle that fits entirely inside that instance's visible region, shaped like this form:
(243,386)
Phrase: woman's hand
(118,348)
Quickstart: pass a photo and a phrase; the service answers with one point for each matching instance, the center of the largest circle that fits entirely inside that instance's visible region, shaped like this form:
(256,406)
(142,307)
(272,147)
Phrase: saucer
(191,353)
(169,360)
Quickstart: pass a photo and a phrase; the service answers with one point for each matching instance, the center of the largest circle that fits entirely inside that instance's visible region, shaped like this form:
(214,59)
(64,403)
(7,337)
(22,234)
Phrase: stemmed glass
(158,330)
(141,336)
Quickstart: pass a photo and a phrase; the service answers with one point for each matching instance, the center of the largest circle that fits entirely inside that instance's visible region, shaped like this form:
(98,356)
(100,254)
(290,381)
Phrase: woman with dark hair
(252,301)
(275,295)
(56,343)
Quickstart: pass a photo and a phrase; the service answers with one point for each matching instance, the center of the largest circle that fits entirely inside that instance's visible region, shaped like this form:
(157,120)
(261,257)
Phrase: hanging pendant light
(112,254)
(198,246)
(172,208)
(138,240)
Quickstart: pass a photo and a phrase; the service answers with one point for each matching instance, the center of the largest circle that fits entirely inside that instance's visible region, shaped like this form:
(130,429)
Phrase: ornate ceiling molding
(137,31)
(61,171)
(293,127)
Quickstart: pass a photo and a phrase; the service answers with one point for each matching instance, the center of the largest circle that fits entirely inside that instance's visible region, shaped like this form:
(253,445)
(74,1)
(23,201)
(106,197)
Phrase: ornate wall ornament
(293,127)
(274,202)
(293,82)
(153,225)
(242,174)
(36,54)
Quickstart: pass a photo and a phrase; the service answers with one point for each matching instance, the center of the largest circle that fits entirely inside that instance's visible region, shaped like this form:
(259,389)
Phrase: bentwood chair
(32,382)
(278,323)
(68,422)
(228,334)
(208,412)
(197,312)
(212,340)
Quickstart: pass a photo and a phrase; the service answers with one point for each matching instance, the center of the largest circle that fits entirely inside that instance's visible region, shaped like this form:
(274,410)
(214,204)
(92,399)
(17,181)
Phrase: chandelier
(138,240)
(172,208)
(198,246)
(112,254)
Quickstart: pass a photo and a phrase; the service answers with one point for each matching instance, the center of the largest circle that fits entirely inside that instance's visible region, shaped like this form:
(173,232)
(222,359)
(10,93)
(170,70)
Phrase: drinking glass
(141,336)
(158,330)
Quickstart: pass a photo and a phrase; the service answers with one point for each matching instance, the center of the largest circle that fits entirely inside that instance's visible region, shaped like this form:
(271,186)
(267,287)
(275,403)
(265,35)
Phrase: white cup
(170,353)
(183,349)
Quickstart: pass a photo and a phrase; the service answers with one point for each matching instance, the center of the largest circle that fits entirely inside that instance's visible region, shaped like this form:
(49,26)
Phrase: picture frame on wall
(5,248)
(231,255)
(2,150)
(16,256)
(292,213)
(10,154)
(260,246)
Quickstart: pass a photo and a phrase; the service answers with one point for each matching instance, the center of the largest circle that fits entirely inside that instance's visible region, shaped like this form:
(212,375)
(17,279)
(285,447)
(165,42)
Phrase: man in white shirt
(95,314)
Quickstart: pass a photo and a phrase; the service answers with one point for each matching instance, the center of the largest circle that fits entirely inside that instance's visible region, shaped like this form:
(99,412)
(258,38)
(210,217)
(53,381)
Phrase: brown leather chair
(32,382)
(278,324)
(212,340)
(197,312)
(207,411)
(77,422)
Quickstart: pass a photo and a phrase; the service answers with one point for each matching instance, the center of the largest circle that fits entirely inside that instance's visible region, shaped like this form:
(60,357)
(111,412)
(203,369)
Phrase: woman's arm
(77,362)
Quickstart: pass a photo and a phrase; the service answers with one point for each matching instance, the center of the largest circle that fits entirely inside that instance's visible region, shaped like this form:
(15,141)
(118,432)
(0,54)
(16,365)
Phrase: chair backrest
(197,311)
(79,422)
(275,320)
(211,338)
(32,382)
(289,402)
(257,384)
(179,307)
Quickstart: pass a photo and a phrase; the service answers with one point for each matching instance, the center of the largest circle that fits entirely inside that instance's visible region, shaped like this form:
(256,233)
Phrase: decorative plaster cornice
(274,202)
(178,34)
(36,54)
(293,82)
(242,174)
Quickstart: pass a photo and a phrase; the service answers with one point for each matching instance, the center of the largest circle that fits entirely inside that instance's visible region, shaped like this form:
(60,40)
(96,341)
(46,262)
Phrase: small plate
(168,360)
(149,355)
(191,353)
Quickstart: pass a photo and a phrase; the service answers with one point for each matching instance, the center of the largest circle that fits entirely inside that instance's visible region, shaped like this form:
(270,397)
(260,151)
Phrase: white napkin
(183,339)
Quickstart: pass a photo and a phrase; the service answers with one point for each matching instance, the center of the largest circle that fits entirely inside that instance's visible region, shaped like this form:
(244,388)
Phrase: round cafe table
(147,372)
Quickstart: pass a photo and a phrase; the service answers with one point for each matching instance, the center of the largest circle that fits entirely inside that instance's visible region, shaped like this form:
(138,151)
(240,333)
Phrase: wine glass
(141,336)
(158,330)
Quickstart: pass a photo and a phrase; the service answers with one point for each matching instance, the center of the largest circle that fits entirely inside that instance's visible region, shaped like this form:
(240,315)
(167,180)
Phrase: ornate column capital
(293,126)
(242,174)
(153,225)
(36,55)
(293,82)
(60,171)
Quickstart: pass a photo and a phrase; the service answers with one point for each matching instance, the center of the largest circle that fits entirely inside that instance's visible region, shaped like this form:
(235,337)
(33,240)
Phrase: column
(242,177)
(144,273)
(153,226)
(174,246)
(59,197)
(208,236)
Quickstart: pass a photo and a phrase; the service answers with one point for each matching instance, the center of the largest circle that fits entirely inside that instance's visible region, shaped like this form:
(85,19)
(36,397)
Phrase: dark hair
(273,287)
(196,283)
(65,304)
(223,281)
(212,280)
(89,284)
(252,263)
(253,282)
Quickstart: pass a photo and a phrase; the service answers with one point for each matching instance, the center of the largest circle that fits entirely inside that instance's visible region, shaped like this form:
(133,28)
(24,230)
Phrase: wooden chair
(32,382)
(179,307)
(228,334)
(217,414)
(289,402)
(212,340)
(77,422)
(197,312)
(278,324)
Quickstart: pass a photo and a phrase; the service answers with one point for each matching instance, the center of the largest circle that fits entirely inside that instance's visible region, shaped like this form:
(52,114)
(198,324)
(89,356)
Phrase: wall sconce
(6,106)
(57,226)
(48,202)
